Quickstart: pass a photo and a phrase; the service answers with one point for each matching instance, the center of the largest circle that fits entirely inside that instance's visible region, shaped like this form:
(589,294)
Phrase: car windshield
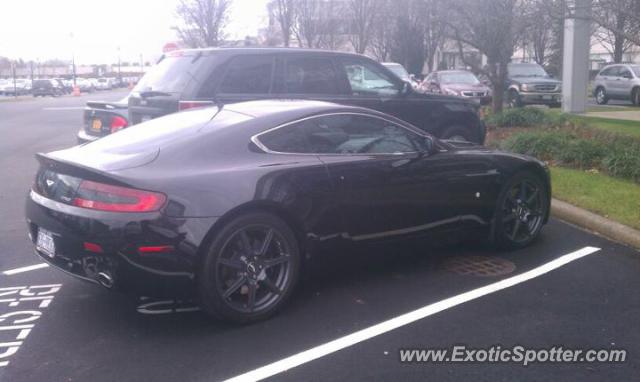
(399,71)
(526,70)
(459,78)
(171,74)
(636,70)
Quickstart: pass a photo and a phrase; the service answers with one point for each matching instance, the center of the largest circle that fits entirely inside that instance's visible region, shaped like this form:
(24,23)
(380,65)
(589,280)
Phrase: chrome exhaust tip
(105,279)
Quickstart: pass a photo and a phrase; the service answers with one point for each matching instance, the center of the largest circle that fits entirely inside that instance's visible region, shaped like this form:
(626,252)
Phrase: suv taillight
(118,123)
(185,105)
(106,197)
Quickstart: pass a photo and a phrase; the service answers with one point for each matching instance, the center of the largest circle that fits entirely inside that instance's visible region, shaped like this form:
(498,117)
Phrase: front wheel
(514,99)
(520,211)
(601,96)
(250,269)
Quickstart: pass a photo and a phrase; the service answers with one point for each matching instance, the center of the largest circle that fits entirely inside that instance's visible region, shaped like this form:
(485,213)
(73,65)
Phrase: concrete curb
(606,227)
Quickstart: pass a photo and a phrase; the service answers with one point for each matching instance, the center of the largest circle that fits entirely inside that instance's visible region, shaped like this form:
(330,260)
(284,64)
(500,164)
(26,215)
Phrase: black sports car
(228,201)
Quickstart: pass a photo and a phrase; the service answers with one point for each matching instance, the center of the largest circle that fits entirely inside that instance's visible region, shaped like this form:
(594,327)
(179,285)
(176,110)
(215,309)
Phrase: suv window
(624,72)
(366,78)
(171,74)
(610,71)
(312,75)
(248,75)
(343,134)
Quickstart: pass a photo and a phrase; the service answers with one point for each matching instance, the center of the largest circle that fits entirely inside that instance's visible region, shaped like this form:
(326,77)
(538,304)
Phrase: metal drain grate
(479,266)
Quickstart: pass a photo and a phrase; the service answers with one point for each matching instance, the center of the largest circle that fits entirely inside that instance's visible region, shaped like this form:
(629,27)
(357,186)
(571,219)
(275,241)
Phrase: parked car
(459,83)
(200,77)
(45,87)
(103,84)
(228,200)
(103,118)
(64,84)
(85,85)
(20,87)
(529,84)
(619,81)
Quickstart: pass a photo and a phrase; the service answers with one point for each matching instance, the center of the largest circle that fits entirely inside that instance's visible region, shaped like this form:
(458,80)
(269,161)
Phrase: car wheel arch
(464,120)
(252,207)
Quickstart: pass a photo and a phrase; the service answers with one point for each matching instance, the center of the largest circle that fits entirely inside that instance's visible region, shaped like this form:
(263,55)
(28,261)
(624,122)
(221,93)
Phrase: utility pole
(73,60)
(13,73)
(119,70)
(575,57)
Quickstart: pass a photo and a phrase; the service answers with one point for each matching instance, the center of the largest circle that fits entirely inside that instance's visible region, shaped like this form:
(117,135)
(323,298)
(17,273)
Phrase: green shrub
(540,144)
(527,117)
(615,155)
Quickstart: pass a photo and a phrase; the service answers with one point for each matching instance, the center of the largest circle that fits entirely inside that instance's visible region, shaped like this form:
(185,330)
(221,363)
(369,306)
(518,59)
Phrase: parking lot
(56,328)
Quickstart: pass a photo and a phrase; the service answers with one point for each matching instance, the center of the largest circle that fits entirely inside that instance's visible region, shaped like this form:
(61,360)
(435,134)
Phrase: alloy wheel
(522,211)
(253,269)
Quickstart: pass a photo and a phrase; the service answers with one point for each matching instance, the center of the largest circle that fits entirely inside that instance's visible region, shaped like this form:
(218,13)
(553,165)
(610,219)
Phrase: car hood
(535,80)
(466,87)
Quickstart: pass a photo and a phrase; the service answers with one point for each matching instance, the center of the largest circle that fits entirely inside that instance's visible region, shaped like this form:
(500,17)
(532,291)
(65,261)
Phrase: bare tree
(307,23)
(492,27)
(332,24)
(382,34)
(434,26)
(203,21)
(617,26)
(285,16)
(363,14)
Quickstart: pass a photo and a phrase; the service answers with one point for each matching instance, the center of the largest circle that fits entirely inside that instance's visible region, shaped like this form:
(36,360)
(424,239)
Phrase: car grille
(473,94)
(546,87)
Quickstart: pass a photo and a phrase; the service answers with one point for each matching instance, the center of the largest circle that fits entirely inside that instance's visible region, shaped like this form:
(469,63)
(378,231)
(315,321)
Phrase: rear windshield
(170,75)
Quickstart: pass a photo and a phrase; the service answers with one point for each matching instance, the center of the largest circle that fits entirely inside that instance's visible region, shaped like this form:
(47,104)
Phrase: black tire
(234,268)
(635,96)
(519,217)
(514,99)
(601,96)
(459,133)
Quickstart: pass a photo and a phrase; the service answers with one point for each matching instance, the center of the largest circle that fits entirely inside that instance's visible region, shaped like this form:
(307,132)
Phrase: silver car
(618,81)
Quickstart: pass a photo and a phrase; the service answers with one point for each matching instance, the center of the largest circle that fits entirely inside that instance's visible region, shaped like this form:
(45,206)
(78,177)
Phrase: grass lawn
(608,108)
(614,125)
(612,198)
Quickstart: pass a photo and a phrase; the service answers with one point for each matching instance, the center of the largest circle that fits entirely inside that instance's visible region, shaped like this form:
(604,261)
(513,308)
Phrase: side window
(311,75)
(624,72)
(248,75)
(608,71)
(344,134)
(366,78)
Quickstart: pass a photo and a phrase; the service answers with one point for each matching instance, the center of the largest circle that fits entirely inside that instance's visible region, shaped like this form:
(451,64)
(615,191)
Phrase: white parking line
(63,108)
(405,319)
(25,269)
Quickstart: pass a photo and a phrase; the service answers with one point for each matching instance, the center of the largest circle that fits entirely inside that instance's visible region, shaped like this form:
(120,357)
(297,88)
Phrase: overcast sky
(43,29)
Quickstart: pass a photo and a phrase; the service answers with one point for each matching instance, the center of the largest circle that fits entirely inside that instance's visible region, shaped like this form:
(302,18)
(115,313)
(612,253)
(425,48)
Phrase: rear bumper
(119,235)
(83,137)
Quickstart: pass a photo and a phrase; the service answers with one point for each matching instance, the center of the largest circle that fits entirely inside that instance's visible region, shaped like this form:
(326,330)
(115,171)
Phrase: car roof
(245,50)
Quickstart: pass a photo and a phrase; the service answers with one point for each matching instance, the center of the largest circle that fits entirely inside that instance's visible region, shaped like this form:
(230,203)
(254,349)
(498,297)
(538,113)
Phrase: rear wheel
(601,96)
(635,96)
(520,211)
(250,269)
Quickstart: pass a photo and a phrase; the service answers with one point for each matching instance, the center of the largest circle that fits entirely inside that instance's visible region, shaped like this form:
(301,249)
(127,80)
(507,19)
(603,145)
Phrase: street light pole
(119,69)
(73,60)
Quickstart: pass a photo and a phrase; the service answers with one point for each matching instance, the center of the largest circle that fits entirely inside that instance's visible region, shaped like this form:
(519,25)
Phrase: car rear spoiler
(77,170)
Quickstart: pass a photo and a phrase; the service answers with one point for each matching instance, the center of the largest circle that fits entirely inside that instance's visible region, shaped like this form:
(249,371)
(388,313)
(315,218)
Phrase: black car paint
(432,113)
(206,163)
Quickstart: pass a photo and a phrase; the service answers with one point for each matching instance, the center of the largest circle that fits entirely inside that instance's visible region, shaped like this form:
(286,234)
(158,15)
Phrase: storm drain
(479,266)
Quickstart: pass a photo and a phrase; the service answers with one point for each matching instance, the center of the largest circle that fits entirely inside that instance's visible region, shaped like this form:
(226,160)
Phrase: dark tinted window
(248,75)
(368,78)
(311,76)
(171,74)
(344,134)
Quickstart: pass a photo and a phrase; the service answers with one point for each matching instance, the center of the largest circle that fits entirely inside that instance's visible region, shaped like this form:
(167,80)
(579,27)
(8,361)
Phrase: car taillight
(106,197)
(118,123)
(184,105)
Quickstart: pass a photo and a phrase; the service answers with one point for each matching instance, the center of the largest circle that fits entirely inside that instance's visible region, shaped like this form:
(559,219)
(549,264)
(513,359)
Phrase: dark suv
(529,84)
(41,88)
(194,78)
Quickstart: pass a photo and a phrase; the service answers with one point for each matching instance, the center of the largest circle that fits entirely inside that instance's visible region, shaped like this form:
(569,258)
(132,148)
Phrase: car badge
(50,182)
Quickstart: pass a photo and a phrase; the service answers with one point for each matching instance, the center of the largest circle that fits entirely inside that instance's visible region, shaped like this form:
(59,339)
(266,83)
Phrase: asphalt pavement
(415,295)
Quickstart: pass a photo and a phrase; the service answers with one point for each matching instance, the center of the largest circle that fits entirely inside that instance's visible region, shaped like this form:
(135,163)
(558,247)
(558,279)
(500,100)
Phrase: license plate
(547,97)
(45,243)
(96,124)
